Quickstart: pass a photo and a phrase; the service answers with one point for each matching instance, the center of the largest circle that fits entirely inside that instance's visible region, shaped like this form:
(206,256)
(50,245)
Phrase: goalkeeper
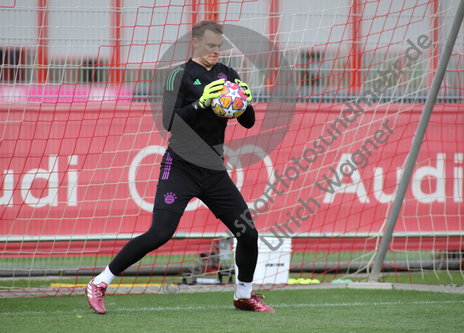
(188,92)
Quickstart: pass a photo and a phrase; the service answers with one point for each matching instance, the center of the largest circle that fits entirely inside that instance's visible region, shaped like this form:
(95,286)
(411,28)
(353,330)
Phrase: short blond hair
(199,28)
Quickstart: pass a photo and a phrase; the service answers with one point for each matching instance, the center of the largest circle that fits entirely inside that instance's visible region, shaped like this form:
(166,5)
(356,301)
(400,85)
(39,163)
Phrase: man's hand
(245,88)
(211,91)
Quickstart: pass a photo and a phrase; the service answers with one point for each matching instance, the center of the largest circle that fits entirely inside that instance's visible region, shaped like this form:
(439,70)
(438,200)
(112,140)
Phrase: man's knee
(249,236)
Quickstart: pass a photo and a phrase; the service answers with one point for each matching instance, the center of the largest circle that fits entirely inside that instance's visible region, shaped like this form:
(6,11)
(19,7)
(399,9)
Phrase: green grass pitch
(329,310)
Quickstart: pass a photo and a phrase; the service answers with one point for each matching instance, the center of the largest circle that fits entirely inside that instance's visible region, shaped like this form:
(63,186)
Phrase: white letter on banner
(8,185)
(429,171)
(379,194)
(51,176)
(356,187)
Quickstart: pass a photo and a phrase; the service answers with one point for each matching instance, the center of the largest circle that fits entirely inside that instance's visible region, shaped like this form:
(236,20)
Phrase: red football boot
(254,303)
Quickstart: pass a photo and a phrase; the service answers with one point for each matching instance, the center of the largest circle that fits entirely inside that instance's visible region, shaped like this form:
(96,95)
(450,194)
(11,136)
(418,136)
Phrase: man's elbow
(167,123)
(167,126)
(249,120)
(249,125)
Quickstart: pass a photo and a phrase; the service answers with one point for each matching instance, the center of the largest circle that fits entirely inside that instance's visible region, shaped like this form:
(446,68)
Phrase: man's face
(207,48)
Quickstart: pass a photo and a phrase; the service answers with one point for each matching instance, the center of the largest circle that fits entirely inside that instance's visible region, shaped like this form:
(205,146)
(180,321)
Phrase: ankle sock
(105,276)
(244,289)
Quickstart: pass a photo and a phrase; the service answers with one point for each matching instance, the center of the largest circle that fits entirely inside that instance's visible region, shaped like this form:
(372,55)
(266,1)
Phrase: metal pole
(115,75)
(211,10)
(274,12)
(193,13)
(434,36)
(42,49)
(416,143)
(355,51)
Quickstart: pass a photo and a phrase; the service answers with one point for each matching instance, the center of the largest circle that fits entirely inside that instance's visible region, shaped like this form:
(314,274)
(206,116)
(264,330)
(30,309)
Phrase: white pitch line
(183,308)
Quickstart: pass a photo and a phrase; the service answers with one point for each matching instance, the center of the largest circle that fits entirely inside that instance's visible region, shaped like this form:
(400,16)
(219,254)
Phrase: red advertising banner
(71,169)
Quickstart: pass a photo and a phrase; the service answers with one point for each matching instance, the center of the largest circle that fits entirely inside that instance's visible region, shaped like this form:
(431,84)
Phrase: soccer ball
(232,102)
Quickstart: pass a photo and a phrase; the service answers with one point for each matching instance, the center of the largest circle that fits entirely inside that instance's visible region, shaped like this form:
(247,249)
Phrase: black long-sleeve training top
(183,88)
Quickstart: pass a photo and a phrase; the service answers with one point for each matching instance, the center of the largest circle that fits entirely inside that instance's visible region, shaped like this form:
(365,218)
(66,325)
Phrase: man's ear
(195,43)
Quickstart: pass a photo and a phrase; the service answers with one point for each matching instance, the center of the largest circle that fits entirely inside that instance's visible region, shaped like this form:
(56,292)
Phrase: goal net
(338,90)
